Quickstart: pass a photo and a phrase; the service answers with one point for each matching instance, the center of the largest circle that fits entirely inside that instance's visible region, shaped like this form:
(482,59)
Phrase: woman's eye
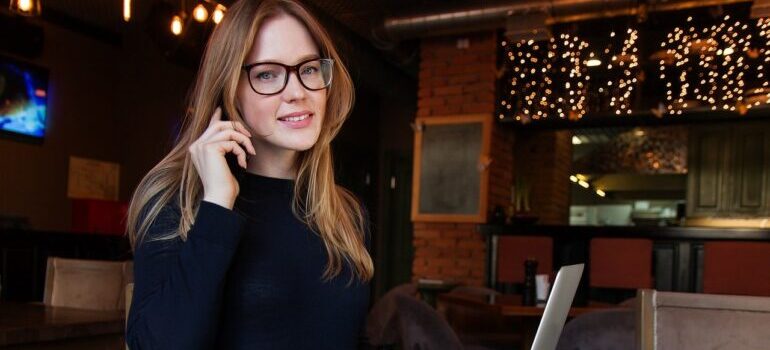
(309,70)
(267,75)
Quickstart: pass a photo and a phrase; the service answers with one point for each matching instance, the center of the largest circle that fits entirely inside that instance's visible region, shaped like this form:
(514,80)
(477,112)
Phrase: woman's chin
(301,145)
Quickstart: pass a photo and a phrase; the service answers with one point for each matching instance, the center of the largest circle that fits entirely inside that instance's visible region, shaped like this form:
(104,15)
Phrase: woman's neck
(271,161)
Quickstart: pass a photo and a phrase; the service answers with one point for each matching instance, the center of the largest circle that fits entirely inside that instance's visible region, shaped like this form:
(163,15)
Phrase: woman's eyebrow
(301,59)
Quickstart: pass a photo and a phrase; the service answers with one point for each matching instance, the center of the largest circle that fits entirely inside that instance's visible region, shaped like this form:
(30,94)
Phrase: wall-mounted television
(23,99)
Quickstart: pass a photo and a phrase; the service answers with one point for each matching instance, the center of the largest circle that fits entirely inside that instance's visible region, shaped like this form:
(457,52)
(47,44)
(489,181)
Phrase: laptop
(557,307)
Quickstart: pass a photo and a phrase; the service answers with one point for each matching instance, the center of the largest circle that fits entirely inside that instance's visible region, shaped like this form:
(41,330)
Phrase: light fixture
(576,140)
(593,62)
(200,13)
(25,7)
(583,183)
(176,25)
(219,13)
(126,10)
(600,193)
(573,178)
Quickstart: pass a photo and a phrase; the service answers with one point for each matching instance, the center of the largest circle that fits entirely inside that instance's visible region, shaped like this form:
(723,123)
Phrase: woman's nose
(294,88)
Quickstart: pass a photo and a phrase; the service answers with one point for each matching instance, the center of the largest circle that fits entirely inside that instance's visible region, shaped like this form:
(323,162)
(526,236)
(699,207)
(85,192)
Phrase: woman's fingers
(224,147)
(223,125)
(235,136)
(240,127)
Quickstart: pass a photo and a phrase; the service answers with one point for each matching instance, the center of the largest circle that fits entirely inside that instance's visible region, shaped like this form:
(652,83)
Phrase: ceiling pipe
(558,11)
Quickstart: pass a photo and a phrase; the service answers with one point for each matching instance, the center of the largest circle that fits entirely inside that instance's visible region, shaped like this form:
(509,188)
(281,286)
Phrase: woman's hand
(208,157)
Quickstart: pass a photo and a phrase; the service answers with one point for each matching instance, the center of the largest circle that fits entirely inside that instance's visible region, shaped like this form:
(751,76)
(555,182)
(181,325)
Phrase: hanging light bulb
(126,10)
(25,7)
(200,13)
(176,25)
(219,13)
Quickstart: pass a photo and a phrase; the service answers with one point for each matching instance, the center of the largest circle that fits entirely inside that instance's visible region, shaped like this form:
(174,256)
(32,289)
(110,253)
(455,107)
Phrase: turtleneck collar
(254,185)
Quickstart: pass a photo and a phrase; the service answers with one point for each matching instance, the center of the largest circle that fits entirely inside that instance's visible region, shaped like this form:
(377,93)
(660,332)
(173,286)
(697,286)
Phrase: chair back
(620,263)
(87,284)
(513,251)
(689,321)
(400,318)
(738,268)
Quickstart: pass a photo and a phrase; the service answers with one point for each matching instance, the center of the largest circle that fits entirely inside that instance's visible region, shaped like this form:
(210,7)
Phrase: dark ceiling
(359,16)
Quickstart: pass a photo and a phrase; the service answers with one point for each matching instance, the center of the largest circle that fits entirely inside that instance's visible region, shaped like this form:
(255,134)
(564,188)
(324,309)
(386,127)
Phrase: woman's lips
(297,122)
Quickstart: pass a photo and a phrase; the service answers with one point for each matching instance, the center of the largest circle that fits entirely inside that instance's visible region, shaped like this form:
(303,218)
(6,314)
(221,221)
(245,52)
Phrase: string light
(176,25)
(200,13)
(219,13)
(25,7)
(548,78)
(126,10)
(623,70)
(760,94)
(719,66)
(710,66)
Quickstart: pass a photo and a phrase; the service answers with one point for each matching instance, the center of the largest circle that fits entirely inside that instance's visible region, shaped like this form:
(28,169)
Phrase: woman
(262,251)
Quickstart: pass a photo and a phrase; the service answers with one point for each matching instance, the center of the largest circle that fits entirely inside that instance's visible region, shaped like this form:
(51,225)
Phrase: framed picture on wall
(451,168)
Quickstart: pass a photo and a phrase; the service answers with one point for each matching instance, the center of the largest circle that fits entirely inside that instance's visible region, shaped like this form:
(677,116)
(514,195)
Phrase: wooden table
(36,326)
(509,306)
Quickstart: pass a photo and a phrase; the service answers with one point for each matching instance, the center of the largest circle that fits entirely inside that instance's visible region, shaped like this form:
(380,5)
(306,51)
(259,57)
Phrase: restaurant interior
(492,142)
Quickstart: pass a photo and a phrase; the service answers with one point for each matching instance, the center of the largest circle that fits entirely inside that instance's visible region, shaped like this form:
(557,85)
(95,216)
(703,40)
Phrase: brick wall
(456,81)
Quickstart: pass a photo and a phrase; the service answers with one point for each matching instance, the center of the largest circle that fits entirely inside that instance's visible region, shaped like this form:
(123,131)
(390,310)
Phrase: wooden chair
(685,321)
(87,284)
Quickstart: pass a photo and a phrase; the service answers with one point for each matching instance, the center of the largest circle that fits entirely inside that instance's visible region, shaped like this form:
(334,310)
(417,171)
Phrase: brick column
(544,158)
(457,80)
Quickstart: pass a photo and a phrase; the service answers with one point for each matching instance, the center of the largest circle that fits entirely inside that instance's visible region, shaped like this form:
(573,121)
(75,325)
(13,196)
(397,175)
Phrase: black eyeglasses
(270,78)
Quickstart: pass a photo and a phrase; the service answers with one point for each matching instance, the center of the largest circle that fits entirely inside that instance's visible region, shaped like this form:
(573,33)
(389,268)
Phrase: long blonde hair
(329,210)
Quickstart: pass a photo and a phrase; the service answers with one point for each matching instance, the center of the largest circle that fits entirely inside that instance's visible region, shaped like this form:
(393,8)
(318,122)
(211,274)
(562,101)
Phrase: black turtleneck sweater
(248,278)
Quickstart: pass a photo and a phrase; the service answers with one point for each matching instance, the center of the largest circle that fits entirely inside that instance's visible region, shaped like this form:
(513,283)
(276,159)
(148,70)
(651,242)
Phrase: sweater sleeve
(178,285)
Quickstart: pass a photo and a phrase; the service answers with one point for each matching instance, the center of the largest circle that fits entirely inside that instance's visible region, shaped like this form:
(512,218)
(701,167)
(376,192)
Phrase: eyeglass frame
(289,70)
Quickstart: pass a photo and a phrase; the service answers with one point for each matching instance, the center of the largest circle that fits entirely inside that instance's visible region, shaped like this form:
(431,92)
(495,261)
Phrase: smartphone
(231,158)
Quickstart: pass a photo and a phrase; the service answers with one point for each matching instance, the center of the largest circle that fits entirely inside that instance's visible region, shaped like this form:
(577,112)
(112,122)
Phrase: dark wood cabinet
(706,164)
(749,186)
(729,171)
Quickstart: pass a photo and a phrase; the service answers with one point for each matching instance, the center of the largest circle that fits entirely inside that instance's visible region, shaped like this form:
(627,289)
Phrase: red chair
(512,251)
(741,268)
(621,263)
(99,216)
